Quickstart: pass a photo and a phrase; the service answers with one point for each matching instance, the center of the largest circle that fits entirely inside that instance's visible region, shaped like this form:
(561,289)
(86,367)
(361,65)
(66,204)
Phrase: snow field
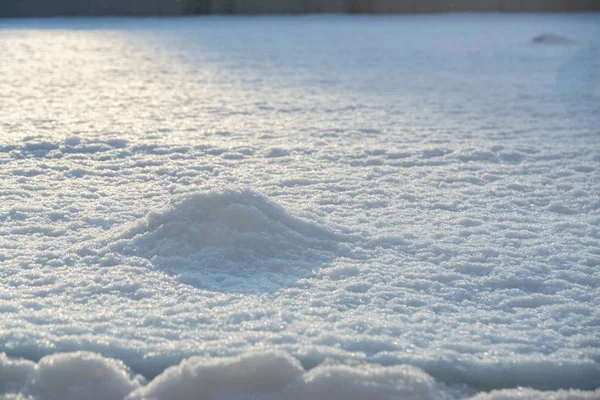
(282,208)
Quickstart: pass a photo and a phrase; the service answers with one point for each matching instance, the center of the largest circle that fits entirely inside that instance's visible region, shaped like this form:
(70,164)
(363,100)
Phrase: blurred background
(35,8)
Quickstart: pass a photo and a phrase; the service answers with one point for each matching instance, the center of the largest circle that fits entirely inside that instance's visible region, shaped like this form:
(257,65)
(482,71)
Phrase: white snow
(327,207)
(224,241)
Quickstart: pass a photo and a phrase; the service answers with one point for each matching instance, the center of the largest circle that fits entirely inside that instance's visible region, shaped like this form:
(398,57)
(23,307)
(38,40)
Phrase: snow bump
(234,240)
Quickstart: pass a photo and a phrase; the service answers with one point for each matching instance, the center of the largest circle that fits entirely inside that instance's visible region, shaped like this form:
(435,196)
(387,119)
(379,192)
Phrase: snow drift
(227,241)
(265,376)
(270,375)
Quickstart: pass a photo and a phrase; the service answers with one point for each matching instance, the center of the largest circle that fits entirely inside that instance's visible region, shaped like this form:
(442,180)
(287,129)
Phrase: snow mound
(68,376)
(235,240)
(276,375)
(13,373)
(551,38)
(266,375)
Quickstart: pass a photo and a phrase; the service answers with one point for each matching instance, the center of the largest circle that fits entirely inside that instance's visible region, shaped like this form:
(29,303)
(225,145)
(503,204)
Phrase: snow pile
(369,382)
(13,373)
(235,240)
(550,38)
(265,376)
(278,376)
(68,376)
(270,375)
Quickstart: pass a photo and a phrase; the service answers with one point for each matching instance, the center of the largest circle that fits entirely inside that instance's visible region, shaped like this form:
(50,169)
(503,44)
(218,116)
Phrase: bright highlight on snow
(328,207)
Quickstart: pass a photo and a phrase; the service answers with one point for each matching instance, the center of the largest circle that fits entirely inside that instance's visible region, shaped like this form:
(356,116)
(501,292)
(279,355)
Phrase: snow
(328,207)
(222,241)
(549,38)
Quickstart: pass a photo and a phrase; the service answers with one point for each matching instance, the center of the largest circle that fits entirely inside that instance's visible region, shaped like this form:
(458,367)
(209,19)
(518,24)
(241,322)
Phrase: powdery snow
(224,241)
(300,207)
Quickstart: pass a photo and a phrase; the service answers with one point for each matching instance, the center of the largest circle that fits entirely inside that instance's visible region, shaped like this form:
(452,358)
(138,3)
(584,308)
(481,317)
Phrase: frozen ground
(300,208)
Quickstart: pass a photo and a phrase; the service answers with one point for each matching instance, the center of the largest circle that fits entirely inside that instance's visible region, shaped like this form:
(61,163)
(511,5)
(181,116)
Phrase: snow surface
(300,207)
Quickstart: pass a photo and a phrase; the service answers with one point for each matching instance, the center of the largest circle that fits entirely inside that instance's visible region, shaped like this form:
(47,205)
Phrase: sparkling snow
(326,207)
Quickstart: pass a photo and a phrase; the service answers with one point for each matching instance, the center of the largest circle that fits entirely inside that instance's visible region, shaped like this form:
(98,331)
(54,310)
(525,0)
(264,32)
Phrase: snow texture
(331,207)
(222,241)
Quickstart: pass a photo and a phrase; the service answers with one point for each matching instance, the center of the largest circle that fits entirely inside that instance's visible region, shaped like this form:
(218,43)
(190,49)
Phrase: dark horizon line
(66,8)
